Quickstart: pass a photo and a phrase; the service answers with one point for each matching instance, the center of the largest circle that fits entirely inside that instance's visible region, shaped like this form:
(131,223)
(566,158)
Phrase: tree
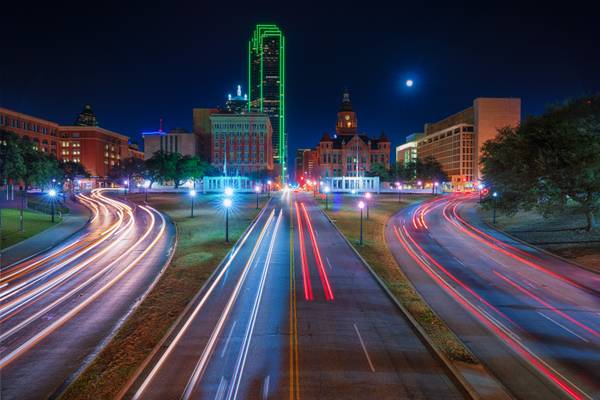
(430,169)
(12,165)
(161,167)
(189,168)
(405,172)
(549,160)
(40,168)
(128,169)
(381,171)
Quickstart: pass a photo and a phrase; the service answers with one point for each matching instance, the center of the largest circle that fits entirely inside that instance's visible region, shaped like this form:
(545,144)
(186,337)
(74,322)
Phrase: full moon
(409,83)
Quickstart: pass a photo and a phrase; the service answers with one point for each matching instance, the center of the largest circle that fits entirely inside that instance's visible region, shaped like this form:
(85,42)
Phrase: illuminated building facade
(241,143)
(407,153)
(266,86)
(201,128)
(96,148)
(177,140)
(349,153)
(456,141)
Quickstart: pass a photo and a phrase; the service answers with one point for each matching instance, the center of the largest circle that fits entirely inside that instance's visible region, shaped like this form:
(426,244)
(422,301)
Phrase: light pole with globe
(494,197)
(269,186)
(257,190)
(192,196)
(361,205)
(399,187)
(326,191)
(227,202)
(367,200)
(52,194)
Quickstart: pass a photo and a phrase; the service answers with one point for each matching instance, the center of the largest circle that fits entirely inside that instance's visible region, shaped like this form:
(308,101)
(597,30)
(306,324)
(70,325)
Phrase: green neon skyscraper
(266,85)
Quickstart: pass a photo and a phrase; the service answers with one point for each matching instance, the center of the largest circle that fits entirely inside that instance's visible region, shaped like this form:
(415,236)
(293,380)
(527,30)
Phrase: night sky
(137,62)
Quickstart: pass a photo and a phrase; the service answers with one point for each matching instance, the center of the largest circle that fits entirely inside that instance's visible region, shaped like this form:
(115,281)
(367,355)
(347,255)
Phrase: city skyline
(445,77)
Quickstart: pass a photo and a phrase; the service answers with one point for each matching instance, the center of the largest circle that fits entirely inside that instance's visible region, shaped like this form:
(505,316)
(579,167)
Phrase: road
(293,313)
(59,308)
(532,319)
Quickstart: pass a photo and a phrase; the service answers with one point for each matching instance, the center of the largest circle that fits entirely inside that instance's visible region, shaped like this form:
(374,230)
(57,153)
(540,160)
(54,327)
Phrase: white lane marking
(228,338)
(221,389)
(210,346)
(364,348)
(185,326)
(241,362)
(265,392)
(562,326)
(328,263)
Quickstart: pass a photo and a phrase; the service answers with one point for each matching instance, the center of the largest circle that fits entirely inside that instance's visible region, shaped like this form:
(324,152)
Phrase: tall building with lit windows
(456,141)
(266,86)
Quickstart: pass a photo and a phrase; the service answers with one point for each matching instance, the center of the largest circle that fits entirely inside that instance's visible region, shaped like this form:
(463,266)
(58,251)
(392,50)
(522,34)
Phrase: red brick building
(349,153)
(96,148)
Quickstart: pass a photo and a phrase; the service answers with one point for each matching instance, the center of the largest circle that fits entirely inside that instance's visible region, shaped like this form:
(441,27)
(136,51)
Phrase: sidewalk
(71,224)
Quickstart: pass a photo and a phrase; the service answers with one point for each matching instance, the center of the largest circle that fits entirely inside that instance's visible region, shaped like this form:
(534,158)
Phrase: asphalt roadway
(59,308)
(531,318)
(293,313)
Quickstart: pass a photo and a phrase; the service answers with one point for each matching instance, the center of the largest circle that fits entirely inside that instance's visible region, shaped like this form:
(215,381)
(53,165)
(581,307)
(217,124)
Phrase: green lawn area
(201,246)
(34,223)
(374,250)
(562,234)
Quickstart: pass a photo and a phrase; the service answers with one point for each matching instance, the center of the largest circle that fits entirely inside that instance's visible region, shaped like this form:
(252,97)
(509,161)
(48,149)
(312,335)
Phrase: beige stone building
(456,141)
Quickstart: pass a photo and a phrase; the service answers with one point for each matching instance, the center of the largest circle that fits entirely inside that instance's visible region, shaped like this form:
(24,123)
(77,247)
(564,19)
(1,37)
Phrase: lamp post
(435,186)
(326,190)
(480,187)
(227,204)
(399,187)
(192,195)
(52,194)
(494,196)
(269,187)
(367,198)
(257,190)
(420,183)
(126,184)
(22,207)
(146,185)
(361,205)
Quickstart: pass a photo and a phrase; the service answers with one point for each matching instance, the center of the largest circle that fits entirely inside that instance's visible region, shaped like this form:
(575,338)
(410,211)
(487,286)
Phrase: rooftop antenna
(239,91)
(160,124)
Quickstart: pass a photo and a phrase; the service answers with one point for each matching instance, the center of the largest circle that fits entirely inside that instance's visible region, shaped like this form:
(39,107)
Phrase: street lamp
(420,183)
(52,194)
(361,205)
(269,184)
(326,190)
(257,190)
(494,196)
(227,204)
(192,195)
(434,187)
(367,198)
(399,187)
(146,186)
(228,192)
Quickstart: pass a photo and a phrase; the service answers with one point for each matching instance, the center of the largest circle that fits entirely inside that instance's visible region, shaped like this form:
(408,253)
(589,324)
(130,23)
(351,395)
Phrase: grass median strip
(201,246)
(33,223)
(345,214)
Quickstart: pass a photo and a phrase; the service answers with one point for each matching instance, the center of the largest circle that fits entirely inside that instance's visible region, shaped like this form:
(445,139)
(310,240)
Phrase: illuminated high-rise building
(266,86)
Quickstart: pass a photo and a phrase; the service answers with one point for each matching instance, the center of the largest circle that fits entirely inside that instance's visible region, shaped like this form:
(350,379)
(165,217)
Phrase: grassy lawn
(562,234)
(201,246)
(375,251)
(33,224)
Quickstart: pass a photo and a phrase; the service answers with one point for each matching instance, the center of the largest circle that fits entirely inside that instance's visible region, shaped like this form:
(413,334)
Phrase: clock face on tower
(347,117)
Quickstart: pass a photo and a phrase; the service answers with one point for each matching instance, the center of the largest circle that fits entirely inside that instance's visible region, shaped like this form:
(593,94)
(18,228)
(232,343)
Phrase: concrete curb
(547,252)
(165,341)
(46,248)
(456,376)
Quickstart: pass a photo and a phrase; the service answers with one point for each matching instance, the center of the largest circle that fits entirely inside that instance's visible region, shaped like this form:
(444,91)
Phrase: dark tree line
(548,161)
(21,162)
(428,169)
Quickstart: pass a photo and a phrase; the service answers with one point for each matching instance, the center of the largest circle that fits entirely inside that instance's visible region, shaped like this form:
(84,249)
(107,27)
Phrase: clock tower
(346,118)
